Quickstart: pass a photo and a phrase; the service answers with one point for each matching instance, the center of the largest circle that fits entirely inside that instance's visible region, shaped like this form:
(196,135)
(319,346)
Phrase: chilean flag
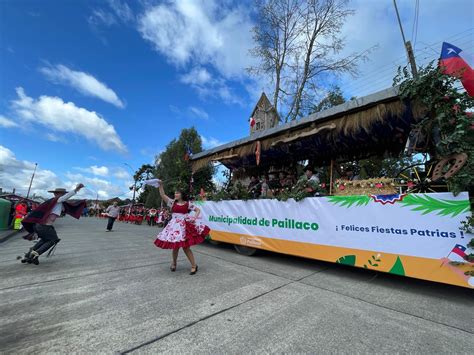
(452,64)
(252,122)
(460,250)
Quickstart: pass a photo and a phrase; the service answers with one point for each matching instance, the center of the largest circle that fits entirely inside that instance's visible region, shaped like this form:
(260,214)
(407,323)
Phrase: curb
(8,236)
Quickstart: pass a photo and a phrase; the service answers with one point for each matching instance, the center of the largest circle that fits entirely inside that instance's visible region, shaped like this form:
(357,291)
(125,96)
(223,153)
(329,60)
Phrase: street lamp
(134,189)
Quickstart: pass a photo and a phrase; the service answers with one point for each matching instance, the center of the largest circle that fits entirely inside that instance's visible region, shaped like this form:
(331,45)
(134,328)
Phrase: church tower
(264,116)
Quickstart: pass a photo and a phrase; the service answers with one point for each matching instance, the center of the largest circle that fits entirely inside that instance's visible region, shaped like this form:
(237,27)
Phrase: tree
(276,35)
(175,170)
(333,98)
(298,42)
(146,171)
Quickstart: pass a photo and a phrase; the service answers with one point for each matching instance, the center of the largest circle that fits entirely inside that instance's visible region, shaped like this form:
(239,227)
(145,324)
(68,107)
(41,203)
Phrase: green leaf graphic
(428,204)
(398,268)
(347,260)
(348,201)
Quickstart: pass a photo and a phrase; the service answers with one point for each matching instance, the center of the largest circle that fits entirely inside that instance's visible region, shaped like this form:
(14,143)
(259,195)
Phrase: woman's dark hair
(184,194)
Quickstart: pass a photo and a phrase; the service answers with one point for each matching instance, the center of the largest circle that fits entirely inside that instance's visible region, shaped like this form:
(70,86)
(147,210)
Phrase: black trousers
(110,223)
(47,238)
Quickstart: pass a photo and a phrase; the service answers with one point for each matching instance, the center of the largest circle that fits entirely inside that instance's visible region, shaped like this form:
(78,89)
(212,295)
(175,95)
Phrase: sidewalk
(7,234)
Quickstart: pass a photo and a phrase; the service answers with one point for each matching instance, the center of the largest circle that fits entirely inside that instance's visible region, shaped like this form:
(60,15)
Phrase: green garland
(428,204)
(448,115)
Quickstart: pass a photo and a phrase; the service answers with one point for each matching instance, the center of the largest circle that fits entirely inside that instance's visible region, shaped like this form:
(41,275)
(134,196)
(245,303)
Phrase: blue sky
(86,86)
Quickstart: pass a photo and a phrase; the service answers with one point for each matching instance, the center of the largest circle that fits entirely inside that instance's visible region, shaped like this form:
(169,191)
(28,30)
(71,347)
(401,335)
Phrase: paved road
(113,292)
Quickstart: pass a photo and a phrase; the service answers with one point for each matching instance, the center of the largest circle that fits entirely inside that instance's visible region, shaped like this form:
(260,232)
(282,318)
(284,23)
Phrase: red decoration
(257,152)
(379,185)
(342,187)
(410,184)
(252,122)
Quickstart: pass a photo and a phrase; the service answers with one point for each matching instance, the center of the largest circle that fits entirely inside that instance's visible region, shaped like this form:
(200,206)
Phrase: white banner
(423,225)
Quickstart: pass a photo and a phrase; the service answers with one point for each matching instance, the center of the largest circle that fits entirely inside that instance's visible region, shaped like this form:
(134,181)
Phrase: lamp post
(134,189)
(31,181)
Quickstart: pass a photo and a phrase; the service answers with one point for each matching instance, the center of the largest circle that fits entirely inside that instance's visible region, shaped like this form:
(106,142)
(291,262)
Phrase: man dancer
(42,218)
(112,212)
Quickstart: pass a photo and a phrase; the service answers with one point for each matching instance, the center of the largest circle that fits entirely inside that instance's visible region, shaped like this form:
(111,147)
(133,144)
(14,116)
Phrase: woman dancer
(183,230)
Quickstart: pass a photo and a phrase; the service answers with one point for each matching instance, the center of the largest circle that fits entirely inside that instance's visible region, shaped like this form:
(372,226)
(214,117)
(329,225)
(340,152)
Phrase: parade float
(415,224)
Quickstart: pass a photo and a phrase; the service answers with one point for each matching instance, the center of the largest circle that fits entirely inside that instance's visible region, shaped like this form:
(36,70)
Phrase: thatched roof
(375,124)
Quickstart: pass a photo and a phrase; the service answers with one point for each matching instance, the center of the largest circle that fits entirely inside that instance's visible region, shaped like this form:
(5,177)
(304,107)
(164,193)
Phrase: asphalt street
(114,293)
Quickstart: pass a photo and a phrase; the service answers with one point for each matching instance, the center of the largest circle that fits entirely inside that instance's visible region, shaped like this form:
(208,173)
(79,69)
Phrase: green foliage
(428,204)
(467,226)
(447,113)
(298,192)
(347,260)
(333,98)
(153,198)
(349,201)
(175,170)
(471,243)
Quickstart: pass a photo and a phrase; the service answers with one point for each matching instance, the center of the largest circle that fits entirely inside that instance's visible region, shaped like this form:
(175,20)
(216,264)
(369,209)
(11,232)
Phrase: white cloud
(116,12)
(16,174)
(210,142)
(99,170)
(122,174)
(100,16)
(54,138)
(202,33)
(95,170)
(207,86)
(61,116)
(197,76)
(106,189)
(82,82)
(199,113)
(7,123)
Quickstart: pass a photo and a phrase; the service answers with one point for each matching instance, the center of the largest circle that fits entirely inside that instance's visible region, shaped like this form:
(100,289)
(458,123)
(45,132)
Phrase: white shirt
(58,207)
(314,178)
(113,211)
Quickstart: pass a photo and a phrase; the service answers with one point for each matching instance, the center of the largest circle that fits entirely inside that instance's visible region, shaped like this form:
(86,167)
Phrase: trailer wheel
(245,250)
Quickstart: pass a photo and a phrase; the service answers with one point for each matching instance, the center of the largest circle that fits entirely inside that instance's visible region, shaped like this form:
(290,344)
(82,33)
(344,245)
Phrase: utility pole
(31,181)
(407,44)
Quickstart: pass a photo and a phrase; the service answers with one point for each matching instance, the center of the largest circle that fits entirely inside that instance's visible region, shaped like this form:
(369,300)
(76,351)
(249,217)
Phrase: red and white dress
(181,231)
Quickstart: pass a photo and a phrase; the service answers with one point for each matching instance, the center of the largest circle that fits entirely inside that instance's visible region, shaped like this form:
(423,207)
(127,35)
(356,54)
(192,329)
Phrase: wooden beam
(226,157)
(304,134)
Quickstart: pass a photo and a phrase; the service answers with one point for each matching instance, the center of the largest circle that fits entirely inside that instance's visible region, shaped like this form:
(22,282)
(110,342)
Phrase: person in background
(254,187)
(112,212)
(265,187)
(352,173)
(313,179)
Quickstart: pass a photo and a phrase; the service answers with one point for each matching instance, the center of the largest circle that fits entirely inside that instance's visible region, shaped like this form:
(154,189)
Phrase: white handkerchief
(153,182)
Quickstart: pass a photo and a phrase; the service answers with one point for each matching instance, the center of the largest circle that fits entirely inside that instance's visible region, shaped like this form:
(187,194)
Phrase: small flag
(188,154)
(252,122)
(452,64)
(460,250)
